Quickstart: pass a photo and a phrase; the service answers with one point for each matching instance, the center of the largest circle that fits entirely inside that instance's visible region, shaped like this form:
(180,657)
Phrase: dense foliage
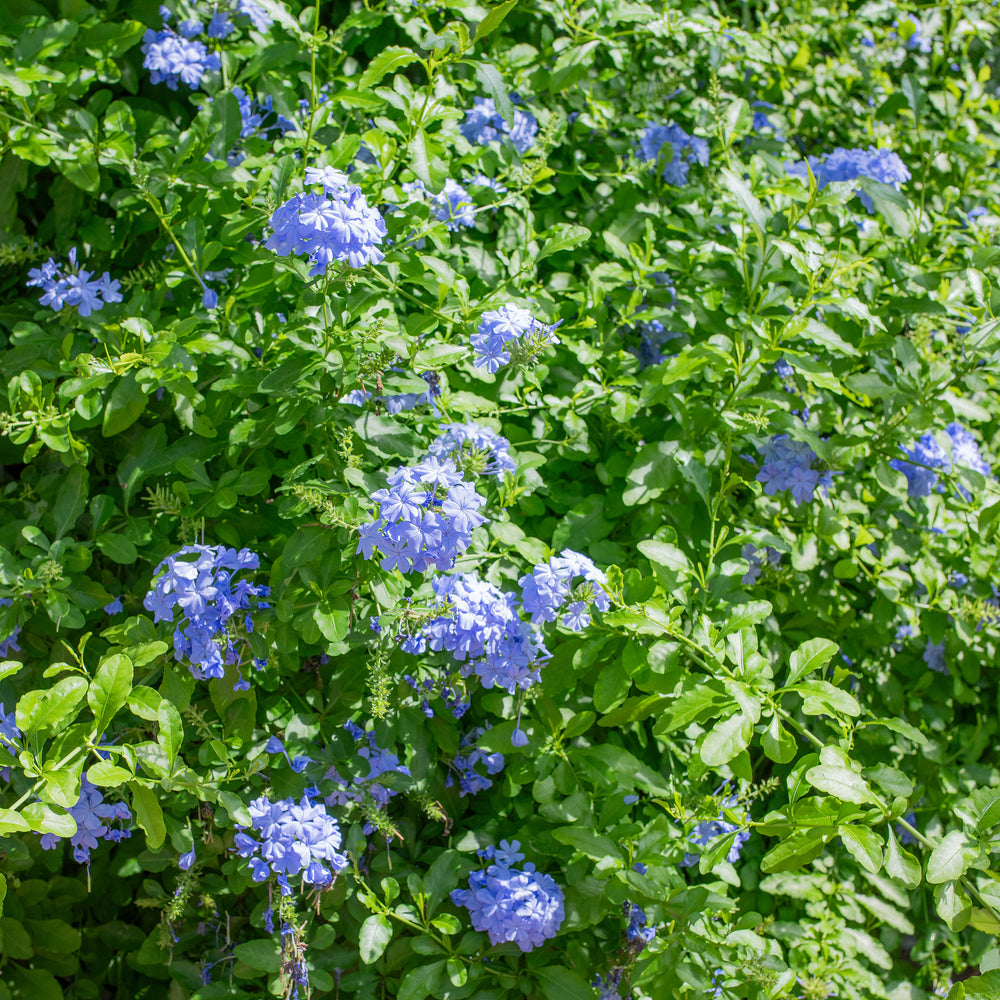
(498,501)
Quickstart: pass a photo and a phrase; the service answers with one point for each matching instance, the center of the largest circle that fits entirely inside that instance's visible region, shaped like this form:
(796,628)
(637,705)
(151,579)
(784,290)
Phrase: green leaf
(171,728)
(227,122)
(841,782)
(124,406)
(900,864)
(117,548)
(744,197)
(148,813)
(387,61)
(796,850)
(3,891)
(951,858)
(374,938)
(822,698)
(865,844)
(422,981)
(810,656)
(71,500)
(559,983)
(983,987)
(11,821)
(586,842)
(726,739)
(493,19)
(562,237)
(109,690)
(495,87)
(260,954)
(105,774)
(778,743)
(47,709)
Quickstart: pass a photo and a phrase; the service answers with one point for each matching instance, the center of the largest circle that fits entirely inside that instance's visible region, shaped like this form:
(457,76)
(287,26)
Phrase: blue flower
(927,456)
(9,731)
(172,58)
(708,830)
(934,657)
(684,149)
(220,26)
(186,860)
(93,818)
(204,590)
(483,124)
(500,329)
(114,607)
(73,286)
(9,641)
(523,906)
(550,584)
(295,839)
(477,449)
(259,17)
(336,226)
(849,164)
(788,465)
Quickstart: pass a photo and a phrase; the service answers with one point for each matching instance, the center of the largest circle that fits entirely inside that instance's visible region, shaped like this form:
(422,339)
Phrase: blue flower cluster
(174,57)
(546,589)
(523,906)
(294,838)
(788,465)
(474,449)
(93,818)
(379,762)
(934,657)
(849,164)
(72,286)
(684,149)
(335,226)
(482,629)
(916,40)
(451,693)
(204,590)
(297,764)
(637,933)
(708,830)
(9,641)
(607,987)
(501,329)
(425,518)
(927,456)
(471,781)
(652,336)
(253,115)
(453,205)
(400,401)
(753,556)
(483,124)
(9,731)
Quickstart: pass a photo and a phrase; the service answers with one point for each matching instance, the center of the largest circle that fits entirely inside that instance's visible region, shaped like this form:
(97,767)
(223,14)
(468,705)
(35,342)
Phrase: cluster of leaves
(867,782)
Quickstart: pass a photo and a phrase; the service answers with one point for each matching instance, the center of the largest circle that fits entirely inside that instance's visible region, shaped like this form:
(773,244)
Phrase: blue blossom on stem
(550,584)
(507,331)
(9,642)
(928,455)
(71,285)
(849,164)
(934,657)
(173,57)
(203,589)
(424,518)
(788,465)
(683,150)
(93,818)
(475,449)
(708,830)
(483,124)
(335,226)
(471,781)
(293,838)
(510,904)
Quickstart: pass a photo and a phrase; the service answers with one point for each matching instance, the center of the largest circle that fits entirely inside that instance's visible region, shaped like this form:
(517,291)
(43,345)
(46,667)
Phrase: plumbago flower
(928,455)
(683,149)
(476,450)
(708,830)
(9,641)
(173,57)
(546,589)
(208,597)
(337,226)
(849,164)
(471,781)
(93,818)
(483,124)
(73,286)
(425,518)
(510,333)
(511,904)
(292,838)
(379,760)
(453,205)
(789,465)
